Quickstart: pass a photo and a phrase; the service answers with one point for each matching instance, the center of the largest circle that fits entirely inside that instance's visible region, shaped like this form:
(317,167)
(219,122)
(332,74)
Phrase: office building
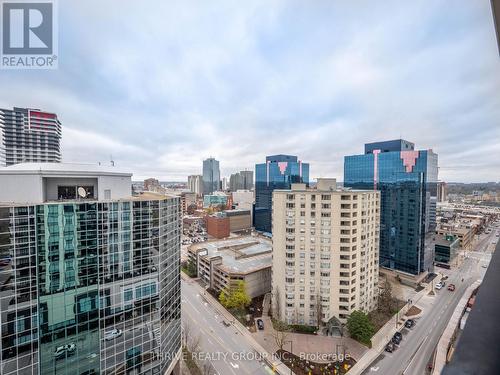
(407,180)
(89,275)
(243,199)
(278,172)
(221,264)
(211,176)
(195,184)
(325,253)
(29,135)
(442,191)
(217,225)
(215,200)
(241,181)
(445,250)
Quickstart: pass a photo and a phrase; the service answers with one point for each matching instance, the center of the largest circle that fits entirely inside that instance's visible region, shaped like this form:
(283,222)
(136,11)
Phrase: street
(419,342)
(225,346)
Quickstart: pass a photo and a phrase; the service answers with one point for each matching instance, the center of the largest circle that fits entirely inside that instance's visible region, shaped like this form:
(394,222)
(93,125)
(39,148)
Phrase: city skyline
(238,87)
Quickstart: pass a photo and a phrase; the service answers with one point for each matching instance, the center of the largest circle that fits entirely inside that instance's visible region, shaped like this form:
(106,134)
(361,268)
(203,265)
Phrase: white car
(113,334)
(438,286)
(62,351)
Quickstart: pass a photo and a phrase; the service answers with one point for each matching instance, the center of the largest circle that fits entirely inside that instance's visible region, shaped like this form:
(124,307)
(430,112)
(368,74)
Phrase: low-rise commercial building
(464,234)
(325,253)
(221,264)
(218,225)
(214,200)
(239,219)
(445,250)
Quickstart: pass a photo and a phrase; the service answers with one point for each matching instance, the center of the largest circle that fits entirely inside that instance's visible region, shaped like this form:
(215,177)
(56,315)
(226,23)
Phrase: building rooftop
(63,169)
(241,255)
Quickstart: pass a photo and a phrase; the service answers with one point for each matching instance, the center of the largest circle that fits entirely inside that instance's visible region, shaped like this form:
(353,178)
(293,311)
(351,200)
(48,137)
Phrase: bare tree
(192,340)
(277,304)
(319,311)
(280,333)
(385,298)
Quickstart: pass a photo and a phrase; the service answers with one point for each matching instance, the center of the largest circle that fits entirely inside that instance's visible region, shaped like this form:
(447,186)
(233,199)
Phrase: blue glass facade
(407,180)
(278,172)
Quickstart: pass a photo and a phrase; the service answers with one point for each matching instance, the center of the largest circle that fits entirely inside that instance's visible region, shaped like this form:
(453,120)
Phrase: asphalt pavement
(223,346)
(418,344)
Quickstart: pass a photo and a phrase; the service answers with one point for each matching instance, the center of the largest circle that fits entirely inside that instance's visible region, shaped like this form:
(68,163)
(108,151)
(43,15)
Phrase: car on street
(226,323)
(389,347)
(451,287)
(484,266)
(113,334)
(260,324)
(396,339)
(409,323)
(438,286)
(64,350)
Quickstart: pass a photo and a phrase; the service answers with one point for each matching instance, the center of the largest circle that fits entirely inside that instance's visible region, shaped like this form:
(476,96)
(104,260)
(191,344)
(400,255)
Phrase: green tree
(236,297)
(360,327)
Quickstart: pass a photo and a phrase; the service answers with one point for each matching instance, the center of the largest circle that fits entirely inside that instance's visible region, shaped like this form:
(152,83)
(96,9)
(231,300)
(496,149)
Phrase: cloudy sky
(160,85)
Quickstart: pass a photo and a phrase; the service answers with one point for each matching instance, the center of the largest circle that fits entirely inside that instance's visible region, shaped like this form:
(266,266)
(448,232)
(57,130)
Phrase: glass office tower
(89,286)
(211,176)
(278,172)
(407,180)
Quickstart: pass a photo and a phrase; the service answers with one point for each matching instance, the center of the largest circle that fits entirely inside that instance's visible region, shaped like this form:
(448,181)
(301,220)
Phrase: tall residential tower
(29,135)
(89,276)
(325,253)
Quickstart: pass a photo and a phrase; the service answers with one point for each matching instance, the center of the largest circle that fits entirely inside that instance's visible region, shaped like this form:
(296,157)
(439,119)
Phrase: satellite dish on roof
(81,192)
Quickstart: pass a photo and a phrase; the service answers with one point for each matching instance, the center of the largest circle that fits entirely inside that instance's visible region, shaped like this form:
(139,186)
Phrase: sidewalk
(279,367)
(310,344)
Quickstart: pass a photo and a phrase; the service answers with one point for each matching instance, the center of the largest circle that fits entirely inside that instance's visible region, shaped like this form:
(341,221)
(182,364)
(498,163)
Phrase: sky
(161,85)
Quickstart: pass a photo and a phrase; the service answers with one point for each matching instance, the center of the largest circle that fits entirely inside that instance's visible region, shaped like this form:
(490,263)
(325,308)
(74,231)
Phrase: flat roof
(242,255)
(58,169)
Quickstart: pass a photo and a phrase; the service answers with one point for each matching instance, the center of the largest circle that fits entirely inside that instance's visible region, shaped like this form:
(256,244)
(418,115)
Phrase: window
(107,194)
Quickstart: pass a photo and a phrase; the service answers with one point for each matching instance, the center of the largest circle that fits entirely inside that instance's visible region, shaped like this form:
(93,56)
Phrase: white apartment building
(325,252)
(195,184)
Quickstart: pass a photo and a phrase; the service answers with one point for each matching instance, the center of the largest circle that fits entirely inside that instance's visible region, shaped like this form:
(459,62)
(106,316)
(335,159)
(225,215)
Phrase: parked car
(113,334)
(451,287)
(409,323)
(438,286)
(396,339)
(445,277)
(389,347)
(226,323)
(260,324)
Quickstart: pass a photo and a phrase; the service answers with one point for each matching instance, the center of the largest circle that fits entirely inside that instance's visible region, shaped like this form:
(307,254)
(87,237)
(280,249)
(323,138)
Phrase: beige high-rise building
(325,252)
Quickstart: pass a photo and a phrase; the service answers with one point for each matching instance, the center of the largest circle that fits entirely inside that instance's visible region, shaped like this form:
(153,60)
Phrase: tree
(280,333)
(277,304)
(236,297)
(319,311)
(385,299)
(360,328)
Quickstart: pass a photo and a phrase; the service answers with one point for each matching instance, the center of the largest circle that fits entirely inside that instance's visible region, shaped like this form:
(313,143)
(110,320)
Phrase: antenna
(112,161)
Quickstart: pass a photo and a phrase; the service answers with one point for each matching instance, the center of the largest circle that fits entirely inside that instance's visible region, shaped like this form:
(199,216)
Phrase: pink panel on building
(282,166)
(409,159)
(375,168)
